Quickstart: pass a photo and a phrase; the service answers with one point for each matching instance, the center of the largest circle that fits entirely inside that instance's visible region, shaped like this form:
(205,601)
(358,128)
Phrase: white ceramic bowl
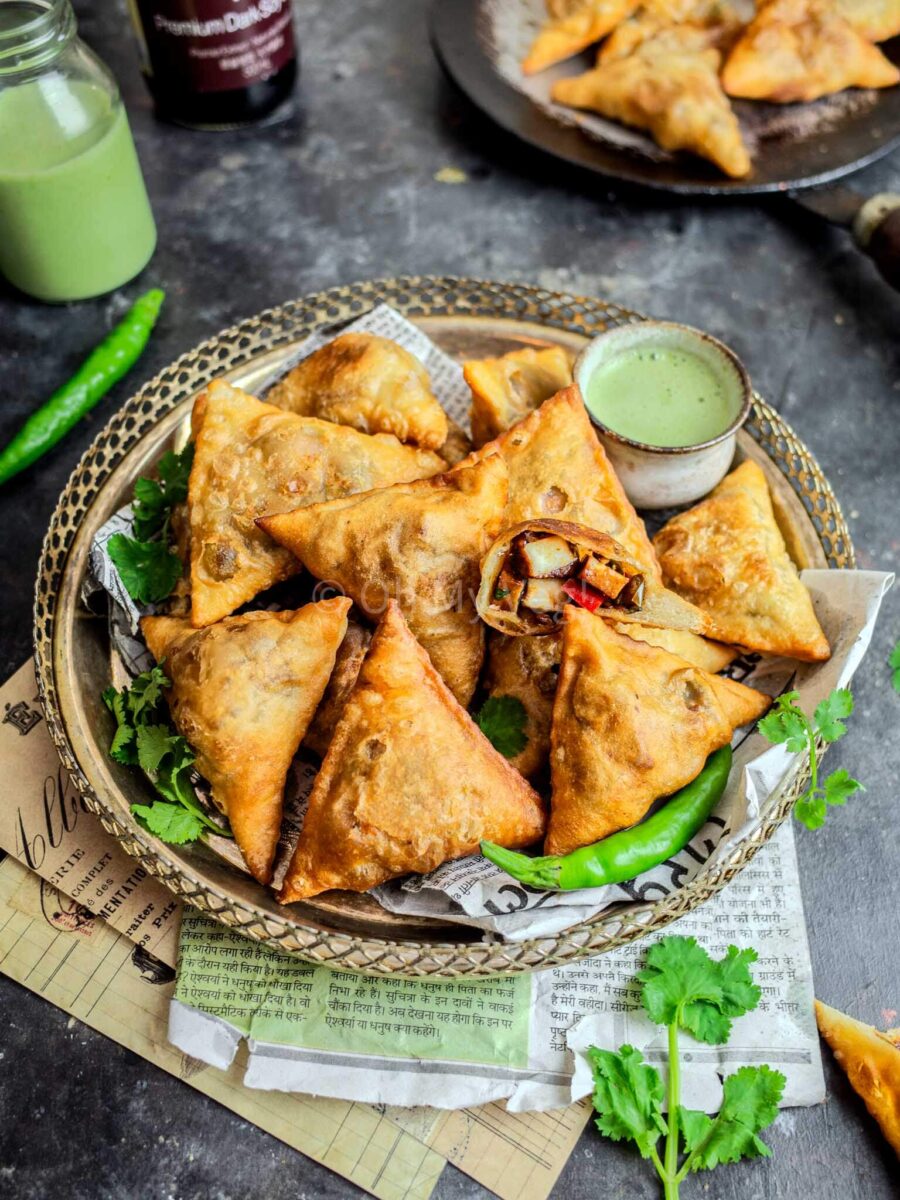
(665,476)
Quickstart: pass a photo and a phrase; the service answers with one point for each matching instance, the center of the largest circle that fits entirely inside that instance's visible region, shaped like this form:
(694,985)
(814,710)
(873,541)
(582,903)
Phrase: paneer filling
(542,573)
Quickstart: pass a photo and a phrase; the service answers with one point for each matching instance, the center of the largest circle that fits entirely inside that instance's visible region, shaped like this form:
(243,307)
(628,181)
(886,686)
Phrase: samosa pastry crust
(506,389)
(631,724)
(871,1060)
(418,543)
(369,383)
(727,556)
(253,458)
(698,651)
(558,469)
(670,86)
(349,659)
(536,570)
(408,782)
(243,693)
(697,24)
(875,20)
(528,669)
(798,50)
(576,26)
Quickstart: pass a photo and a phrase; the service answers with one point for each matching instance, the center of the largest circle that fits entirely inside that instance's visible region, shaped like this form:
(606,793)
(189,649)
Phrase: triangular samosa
(572,27)
(508,388)
(253,458)
(408,782)
(370,383)
(871,1060)
(631,723)
(557,468)
(243,693)
(727,556)
(418,543)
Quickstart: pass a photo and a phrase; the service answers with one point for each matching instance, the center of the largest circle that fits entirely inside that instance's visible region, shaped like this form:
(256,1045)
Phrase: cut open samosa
(369,383)
(253,458)
(418,543)
(557,468)
(871,1060)
(409,781)
(508,388)
(243,693)
(631,723)
(526,668)
(727,556)
(573,27)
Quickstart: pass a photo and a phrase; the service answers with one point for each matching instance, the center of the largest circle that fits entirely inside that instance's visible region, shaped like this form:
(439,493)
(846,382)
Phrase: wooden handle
(877,231)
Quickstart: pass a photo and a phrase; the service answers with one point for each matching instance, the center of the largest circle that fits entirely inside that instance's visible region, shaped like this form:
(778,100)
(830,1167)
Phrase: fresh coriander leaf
(122,748)
(810,810)
(785,725)
(749,1104)
(146,692)
(170,822)
(154,501)
(627,1097)
(839,704)
(840,786)
(894,664)
(148,570)
(502,721)
(153,744)
(683,985)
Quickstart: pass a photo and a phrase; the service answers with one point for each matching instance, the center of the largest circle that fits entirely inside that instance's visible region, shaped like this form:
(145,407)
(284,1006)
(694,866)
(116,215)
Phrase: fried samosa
(875,20)
(456,446)
(369,383)
(409,781)
(669,85)
(701,24)
(631,724)
(506,389)
(800,50)
(253,458)
(871,1060)
(349,659)
(698,651)
(534,571)
(243,693)
(557,468)
(417,543)
(526,668)
(727,556)
(573,27)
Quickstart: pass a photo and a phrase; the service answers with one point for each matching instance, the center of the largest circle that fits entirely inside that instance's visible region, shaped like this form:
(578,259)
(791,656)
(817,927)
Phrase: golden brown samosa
(631,723)
(418,543)
(409,781)
(369,383)
(727,556)
(557,468)
(243,693)
(871,1060)
(698,651)
(702,22)
(508,388)
(669,85)
(800,50)
(572,27)
(526,668)
(253,458)
(349,659)
(875,20)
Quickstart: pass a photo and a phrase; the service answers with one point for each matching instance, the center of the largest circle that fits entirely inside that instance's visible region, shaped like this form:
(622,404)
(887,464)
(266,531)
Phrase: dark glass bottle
(215,64)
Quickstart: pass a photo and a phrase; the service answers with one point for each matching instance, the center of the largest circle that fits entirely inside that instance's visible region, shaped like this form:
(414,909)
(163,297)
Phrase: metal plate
(465,317)
(787,162)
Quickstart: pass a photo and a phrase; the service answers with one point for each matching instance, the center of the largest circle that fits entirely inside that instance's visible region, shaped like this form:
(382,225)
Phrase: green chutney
(75,220)
(661,396)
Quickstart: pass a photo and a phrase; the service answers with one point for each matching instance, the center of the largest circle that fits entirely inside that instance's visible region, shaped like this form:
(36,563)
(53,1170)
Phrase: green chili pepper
(625,855)
(105,366)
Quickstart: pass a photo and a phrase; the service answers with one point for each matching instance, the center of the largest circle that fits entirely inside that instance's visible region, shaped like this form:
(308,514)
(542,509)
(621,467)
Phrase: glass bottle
(75,220)
(216,64)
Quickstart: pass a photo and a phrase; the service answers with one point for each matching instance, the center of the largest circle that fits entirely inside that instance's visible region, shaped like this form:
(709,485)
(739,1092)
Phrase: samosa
(409,781)
(369,383)
(253,458)
(418,543)
(508,388)
(573,26)
(243,693)
(631,723)
(727,556)
(349,659)
(526,668)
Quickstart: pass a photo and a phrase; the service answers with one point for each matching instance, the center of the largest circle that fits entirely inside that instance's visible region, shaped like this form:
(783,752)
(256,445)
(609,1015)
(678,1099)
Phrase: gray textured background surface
(342,190)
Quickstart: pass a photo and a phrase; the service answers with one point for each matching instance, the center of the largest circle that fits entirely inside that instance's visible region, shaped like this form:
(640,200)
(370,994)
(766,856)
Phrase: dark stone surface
(343,190)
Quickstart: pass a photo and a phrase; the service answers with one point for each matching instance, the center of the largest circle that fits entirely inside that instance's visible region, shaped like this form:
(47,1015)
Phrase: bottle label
(217,45)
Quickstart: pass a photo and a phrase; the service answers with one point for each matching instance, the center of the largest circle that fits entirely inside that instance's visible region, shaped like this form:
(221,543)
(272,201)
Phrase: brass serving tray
(466,318)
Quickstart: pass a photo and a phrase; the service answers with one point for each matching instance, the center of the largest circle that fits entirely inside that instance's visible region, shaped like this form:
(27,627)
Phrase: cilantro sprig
(788,725)
(684,989)
(147,565)
(502,721)
(145,738)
